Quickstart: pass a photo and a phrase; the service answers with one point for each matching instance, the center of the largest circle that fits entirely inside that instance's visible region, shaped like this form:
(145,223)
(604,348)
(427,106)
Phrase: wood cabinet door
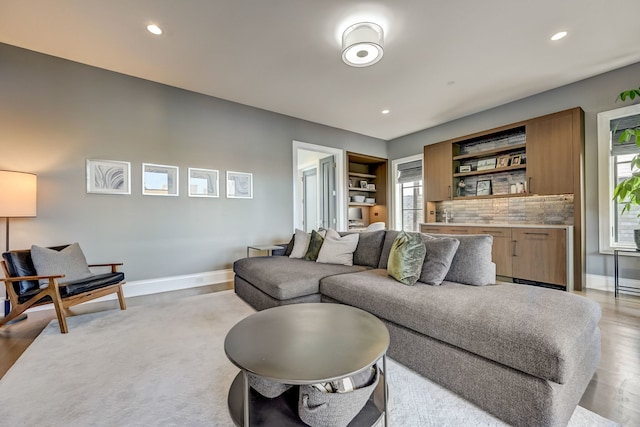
(502,248)
(539,254)
(550,154)
(437,172)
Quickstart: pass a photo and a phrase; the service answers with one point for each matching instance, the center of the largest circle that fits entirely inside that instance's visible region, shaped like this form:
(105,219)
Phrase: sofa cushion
(338,249)
(315,243)
(69,261)
(284,278)
(471,264)
(389,238)
(542,332)
(440,253)
(369,247)
(406,258)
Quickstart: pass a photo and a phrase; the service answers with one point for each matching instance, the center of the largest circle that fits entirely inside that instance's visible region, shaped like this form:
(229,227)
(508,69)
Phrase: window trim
(606,178)
(395,194)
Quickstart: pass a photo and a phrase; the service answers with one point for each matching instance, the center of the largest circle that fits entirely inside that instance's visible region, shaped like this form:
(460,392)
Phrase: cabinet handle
(529,189)
(514,247)
(449,192)
(537,234)
(489,232)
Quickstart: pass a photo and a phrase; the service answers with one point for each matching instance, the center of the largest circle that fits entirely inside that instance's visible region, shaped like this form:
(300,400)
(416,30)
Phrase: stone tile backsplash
(556,210)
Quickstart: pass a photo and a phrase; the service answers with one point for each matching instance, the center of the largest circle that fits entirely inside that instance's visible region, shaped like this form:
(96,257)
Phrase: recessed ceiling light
(385,111)
(558,36)
(153,28)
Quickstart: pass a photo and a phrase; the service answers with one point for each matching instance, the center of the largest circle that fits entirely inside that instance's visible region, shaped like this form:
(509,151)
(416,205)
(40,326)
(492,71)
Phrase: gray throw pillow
(440,253)
(338,250)
(70,261)
(406,258)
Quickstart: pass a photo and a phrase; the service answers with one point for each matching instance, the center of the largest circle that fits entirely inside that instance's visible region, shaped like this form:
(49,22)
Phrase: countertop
(467,224)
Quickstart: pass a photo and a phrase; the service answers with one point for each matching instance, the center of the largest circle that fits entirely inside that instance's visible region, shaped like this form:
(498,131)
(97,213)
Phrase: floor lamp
(17,200)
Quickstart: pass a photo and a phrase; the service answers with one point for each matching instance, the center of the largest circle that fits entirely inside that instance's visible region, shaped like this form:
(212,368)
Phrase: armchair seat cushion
(90,283)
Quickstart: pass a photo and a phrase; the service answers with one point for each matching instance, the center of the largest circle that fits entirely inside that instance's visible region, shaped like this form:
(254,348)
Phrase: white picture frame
(108,177)
(160,180)
(203,182)
(239,185)
(486,164)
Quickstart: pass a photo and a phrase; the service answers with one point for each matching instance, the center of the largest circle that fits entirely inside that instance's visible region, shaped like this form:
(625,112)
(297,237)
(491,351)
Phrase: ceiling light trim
(362,44)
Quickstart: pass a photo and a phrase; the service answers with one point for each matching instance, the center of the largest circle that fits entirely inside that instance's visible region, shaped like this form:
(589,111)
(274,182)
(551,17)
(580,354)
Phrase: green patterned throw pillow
(315,243)
(406,258)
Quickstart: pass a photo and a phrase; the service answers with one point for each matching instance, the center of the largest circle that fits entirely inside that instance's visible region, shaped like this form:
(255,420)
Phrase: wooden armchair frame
(52,290)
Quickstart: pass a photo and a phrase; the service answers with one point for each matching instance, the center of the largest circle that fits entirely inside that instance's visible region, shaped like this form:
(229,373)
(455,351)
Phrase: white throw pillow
(338,250)
(301,243)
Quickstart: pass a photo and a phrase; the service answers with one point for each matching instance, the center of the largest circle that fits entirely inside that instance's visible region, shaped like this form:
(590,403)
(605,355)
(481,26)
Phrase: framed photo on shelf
(516,160)
(159,180)
(464,168)
(108,177)
(503,161)
(239,185)
(486,164)
(371,186)
(203,182)
(363,184)
(483,188)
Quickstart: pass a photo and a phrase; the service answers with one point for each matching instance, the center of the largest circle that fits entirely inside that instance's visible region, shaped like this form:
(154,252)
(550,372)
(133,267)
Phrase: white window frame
(606,182)
(396,195)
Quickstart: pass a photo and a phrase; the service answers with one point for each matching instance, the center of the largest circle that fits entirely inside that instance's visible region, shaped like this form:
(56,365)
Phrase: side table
(269,248)
(616,273)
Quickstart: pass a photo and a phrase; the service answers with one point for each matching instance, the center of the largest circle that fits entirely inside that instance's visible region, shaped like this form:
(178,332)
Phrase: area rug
(164,365)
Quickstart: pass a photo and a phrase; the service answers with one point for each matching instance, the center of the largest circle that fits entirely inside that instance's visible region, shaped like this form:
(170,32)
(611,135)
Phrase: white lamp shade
(17,194)
(362,44)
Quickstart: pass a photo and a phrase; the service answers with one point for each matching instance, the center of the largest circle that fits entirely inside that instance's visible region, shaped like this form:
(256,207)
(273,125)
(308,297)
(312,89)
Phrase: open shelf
(488,153)
(488,171)
(362,175)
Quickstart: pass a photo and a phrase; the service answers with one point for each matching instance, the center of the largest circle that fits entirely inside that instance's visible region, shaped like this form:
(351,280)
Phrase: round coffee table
(303,344)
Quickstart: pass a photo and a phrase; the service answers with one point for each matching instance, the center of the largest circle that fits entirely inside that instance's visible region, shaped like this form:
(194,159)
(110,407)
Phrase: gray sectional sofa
(524,354)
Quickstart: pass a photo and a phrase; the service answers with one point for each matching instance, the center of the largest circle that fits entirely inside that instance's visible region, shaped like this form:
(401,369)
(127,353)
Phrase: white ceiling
(443,59)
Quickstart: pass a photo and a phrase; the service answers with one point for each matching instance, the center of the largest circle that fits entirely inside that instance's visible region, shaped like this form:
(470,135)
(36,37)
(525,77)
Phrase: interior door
(310,199)
(328,192)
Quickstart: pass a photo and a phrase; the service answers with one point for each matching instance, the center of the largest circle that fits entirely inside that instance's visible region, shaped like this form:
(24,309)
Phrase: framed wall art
(239,185)
(483,188)
(203,182)
(108,177)
(159,180)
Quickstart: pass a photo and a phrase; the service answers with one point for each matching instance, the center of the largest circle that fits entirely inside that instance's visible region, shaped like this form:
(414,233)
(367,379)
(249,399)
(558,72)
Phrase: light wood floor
(614,392)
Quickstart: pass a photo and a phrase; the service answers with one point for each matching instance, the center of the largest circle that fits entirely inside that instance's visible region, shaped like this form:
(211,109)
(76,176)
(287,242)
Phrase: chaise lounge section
(525,354)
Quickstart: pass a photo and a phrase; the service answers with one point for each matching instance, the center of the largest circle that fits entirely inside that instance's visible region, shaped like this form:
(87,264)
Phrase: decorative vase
(636,238)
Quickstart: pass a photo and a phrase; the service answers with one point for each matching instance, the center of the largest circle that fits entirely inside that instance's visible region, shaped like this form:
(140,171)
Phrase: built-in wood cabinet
(540,255)
(437,172)
(367,189)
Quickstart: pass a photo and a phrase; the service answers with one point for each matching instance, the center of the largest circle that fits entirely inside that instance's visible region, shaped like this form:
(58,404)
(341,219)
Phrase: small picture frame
(108,177)
(486,164)
(159,180)
(503,161)
(363,184)
(203,182)
(464,168)
(239,185)
(371,186)
(516,160)
(483,188)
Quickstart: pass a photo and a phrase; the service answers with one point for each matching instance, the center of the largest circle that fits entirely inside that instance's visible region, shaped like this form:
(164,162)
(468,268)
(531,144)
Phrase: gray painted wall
(54,114)
(594,95)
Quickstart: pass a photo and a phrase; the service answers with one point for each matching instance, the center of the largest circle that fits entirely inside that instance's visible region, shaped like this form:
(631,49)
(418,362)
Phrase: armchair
(27,289)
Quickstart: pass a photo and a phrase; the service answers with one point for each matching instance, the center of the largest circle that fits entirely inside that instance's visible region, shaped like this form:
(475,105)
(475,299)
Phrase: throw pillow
(69,261)
(337,249)
(440,253)
(300,244)
(315,243)
(289,248)
(406,258)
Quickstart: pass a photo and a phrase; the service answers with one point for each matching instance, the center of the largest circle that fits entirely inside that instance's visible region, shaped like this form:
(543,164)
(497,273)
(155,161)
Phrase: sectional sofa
(524,354)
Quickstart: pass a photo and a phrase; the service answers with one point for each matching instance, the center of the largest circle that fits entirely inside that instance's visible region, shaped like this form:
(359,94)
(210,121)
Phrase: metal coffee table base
(282,411)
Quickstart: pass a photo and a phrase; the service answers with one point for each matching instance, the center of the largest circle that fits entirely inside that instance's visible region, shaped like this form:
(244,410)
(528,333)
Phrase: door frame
(341,207)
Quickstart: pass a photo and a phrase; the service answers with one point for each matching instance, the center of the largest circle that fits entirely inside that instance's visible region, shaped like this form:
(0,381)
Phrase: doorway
(324,167)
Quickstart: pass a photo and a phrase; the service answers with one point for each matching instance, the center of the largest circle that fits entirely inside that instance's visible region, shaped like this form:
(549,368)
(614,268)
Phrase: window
(616,229)
(408,200)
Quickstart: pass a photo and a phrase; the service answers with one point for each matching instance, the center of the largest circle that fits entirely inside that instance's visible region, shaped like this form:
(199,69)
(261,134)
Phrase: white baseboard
(163,284)
(606,283)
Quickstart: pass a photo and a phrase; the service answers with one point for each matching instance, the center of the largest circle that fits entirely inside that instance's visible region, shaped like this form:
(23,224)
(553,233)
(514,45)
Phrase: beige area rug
(164,365)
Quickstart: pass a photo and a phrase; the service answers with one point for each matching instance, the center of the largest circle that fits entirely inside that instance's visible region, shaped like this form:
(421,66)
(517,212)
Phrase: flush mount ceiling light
(362,44)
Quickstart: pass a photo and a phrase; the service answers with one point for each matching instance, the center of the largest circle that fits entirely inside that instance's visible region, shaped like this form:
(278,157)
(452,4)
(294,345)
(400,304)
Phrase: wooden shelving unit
(373,170)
